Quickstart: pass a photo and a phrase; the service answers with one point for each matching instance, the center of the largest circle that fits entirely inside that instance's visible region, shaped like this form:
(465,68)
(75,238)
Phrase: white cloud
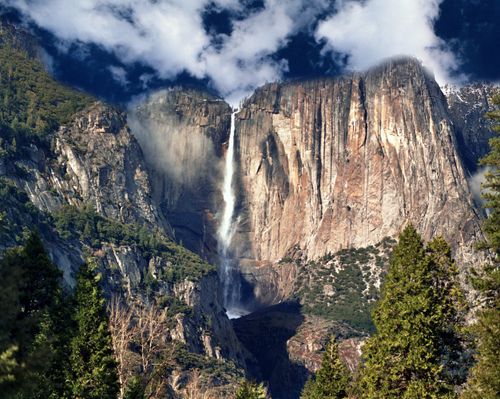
(119,74)
(475,185)
(166,35)
(169,36)
(373,30)
(243,61)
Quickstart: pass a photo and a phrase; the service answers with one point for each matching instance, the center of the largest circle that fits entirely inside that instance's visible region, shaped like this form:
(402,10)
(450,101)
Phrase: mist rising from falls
(229,273)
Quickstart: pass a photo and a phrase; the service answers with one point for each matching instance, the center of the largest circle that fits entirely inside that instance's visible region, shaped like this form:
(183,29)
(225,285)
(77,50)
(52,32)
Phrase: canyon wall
(89,191)
(183,135)
(467,108)
(328,164)
(321,165)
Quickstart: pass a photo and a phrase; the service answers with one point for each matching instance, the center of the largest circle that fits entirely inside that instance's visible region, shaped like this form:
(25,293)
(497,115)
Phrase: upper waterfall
(225,230)
(229,273)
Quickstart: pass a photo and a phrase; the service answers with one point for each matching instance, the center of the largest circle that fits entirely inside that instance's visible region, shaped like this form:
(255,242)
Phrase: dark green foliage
(484,380)
(32,323)
(135,389)
(8,365)
(411,355)
(174,305)
(17,215)
(93,229)
(31,102)
(93,367)
(250,390)
(222,371)
(332,379)
(349,276)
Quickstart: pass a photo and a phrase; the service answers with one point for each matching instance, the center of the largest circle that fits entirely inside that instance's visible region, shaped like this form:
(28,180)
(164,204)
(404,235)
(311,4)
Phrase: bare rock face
(467,107)
(182,133)
(337,163)
(208,330)
(94,160)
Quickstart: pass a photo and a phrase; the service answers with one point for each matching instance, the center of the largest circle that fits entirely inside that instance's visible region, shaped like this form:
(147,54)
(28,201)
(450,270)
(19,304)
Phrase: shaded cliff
(183,133)
(467,108)
(288,346)
(338,163)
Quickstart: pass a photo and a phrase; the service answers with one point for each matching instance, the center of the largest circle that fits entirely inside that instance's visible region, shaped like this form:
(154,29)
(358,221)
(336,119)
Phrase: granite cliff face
(327,171)
(99,162)
(467,107)
(337,163)
(183,135)
(321,165)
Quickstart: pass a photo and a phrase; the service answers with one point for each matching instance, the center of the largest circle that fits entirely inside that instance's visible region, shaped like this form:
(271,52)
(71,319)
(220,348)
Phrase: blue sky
(120,48)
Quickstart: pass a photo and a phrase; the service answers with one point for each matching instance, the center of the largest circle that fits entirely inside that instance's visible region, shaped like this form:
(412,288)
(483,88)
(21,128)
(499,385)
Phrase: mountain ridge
(321,165)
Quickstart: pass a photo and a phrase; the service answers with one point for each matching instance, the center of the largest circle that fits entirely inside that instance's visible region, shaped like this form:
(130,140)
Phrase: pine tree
(250,390)
(484,380)
(39,288)
(8,365)
(415,319)
(331,380)
(31,303)
(94,374)
(134,389)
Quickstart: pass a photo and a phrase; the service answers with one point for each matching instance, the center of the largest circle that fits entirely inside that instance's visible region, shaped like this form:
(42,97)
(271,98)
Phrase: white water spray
(225,229)
(229,273)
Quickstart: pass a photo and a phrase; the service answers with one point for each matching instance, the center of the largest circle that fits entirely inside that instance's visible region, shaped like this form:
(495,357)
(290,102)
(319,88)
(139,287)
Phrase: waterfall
(225,229)
(229,273)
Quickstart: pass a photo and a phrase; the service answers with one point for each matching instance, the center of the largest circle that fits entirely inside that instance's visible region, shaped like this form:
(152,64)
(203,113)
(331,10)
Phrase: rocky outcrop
(217,338)
(288,346)
(183,135)
(95,162)
(336,163)
(467,107)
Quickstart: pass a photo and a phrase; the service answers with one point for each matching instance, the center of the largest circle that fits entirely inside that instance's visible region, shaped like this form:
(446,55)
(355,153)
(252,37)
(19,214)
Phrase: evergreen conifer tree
(484,380)
(250,390)
(134,389)
(8,365)
(415,319)
(331,380)
(32,322)
(94,374)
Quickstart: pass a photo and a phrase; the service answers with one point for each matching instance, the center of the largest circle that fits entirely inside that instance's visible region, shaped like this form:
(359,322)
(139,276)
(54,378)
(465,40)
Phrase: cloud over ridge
(376,29)
(169,35)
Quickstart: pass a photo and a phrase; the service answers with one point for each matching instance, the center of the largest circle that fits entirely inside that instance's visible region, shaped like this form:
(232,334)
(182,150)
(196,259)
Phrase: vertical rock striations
(335,163)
